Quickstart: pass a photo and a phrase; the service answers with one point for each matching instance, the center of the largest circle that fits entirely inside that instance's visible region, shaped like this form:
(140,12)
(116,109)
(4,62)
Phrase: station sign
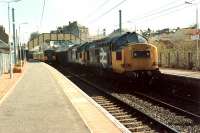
(195,37)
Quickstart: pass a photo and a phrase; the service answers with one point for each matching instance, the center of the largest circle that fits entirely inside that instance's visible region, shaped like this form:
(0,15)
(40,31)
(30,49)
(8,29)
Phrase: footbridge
(45,38)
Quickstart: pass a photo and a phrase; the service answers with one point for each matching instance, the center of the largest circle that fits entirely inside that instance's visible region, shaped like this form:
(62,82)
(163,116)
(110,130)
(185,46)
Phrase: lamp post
(197,40)
(9,35)
(19,42)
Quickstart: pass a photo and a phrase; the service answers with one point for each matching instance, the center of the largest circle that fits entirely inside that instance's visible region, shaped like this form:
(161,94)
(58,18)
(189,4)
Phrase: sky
(99,14)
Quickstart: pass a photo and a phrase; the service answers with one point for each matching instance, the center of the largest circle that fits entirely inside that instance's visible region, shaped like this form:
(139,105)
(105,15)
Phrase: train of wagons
(128,54)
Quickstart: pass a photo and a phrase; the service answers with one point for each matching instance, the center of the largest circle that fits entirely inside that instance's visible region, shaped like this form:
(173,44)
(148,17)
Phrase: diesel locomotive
(128,54)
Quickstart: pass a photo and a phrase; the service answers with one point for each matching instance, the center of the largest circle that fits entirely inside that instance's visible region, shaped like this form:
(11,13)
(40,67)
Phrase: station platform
(181,73)
(45,101)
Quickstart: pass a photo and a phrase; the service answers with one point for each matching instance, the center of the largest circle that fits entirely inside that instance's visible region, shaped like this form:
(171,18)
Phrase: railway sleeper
(107,104)
(100,99)
(128,120)
(116,111)
(152,131)
(119,113)
(139,128)
(123,116)
(104,102)
(113,108)
(133,124)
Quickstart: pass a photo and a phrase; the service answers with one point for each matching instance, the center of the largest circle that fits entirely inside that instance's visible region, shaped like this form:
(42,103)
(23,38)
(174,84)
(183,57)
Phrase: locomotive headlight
(148,54)
(149,73)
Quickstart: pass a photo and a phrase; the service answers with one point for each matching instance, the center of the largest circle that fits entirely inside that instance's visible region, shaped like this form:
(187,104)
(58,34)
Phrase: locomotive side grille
(141,54)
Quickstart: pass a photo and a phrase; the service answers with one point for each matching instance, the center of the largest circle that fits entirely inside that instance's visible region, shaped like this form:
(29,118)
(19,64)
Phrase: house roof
(4,47)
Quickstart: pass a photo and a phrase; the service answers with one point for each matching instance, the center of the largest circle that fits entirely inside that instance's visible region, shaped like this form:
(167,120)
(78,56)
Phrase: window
(96,52)
(118,55)
(76,55)
(122,41)
(132,38)
(141,54)
(141,39)
(127,38)
(88,55)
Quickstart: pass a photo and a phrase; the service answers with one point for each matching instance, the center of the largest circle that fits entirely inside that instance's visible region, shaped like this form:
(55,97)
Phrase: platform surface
(181,73)
(45,101)
(36,105)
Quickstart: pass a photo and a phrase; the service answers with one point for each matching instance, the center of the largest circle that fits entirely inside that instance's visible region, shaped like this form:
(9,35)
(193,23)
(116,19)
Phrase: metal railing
(4,63)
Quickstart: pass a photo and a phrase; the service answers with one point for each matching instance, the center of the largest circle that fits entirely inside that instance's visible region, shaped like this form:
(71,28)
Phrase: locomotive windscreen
(141,54)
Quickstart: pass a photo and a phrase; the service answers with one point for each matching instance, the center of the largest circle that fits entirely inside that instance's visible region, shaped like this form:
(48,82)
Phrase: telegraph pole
(120,22)
(197,27)
(104,32)
(9,42)
(197,34)
(14,41)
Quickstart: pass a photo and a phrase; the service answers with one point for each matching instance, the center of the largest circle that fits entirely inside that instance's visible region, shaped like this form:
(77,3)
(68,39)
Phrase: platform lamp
(197,26)
(9,35)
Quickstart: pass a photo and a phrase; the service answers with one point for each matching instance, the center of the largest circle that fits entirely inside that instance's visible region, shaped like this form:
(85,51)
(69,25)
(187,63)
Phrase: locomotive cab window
(132,38)
(124,40)
(88,55)
(141,39)
(76,55)
(141,54)
(136,38)
(80,55)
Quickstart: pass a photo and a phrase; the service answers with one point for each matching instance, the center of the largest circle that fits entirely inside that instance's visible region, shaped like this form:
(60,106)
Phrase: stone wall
(177,51)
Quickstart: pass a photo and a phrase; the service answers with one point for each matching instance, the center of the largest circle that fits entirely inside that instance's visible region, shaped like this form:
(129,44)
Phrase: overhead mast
(120,22)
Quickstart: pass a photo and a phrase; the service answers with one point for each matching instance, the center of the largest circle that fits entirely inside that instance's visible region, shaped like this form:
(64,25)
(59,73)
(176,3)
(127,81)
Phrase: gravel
(174,120)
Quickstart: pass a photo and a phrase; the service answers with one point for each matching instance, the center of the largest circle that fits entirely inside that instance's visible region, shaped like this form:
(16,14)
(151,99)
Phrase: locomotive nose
(142,57)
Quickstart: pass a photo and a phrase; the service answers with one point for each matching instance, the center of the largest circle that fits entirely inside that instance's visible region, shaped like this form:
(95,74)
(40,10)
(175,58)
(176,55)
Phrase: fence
(181,56)
(4,63)
(180,53)
(178,59)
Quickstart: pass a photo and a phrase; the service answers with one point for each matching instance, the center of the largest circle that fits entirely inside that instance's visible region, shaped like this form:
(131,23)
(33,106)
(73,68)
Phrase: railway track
(132,118)
(178,120)
(171,107)
(179,102)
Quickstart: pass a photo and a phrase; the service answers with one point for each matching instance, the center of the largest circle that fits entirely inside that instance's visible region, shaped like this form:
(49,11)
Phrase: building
(4,58)
(4,51)
(3,35)
(74,28)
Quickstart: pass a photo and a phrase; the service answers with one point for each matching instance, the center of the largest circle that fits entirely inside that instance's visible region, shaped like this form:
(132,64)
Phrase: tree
(34,35)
